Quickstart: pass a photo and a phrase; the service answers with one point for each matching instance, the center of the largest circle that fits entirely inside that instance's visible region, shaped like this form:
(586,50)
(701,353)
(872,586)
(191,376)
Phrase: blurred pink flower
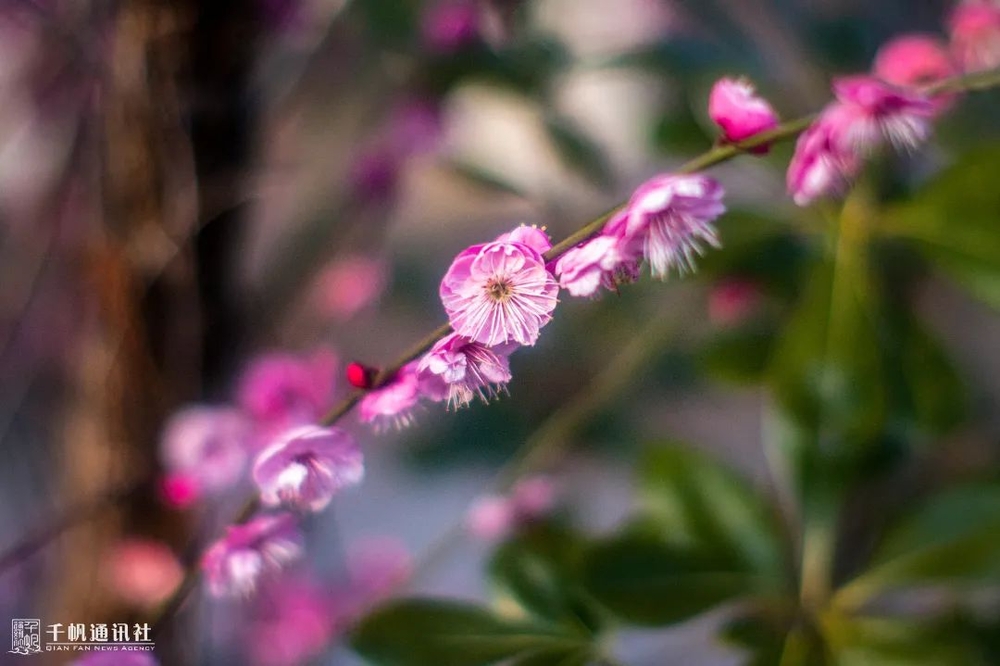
(500,292)
(531,236)
(307,466)
(236,563)
(206,446)
(820,166)
(735,106)
(913,60)
(731,301)
(495,517)
(295,620)
(466,369)
(349,284)
(378,565)
(603,261)
(281,390)
(872,112)
(974,27)
(450,25)
(143,572)
(393,404)
(670,217)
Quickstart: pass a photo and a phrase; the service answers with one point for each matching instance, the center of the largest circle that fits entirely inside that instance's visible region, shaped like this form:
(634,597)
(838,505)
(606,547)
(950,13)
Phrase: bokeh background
(187,185)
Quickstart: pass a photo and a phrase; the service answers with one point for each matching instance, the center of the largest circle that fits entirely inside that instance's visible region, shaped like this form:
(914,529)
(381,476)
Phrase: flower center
(499,289)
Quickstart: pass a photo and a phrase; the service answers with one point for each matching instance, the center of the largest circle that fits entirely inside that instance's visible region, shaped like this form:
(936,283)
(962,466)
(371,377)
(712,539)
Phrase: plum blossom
(913,60)
(349,284)
(603,261)
(974,28)
(670,217)
(820,166)
(872,111)
(306,467)
(281,390)
(501,292)
(236,563)
(465,369)
(143,572)
(735,106)
(393,403)
(206,446)
(494,517)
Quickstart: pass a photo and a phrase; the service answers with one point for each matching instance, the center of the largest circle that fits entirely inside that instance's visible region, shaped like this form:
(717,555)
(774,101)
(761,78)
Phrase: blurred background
(187,185)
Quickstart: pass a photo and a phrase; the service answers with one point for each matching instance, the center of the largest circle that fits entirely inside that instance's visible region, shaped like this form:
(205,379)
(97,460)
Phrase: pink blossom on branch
(820,166)
(603,261)
(913,60)
(872,112)
(393,404)
(735,106)
(307,466)
(207,447)
(670,217)
(500,292)
(974,27)
(465,369)
(235,564)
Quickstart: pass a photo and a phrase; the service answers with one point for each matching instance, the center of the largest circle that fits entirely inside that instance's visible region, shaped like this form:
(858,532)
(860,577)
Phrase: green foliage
(868,641)
(540,570)
(953,221)
(416,632)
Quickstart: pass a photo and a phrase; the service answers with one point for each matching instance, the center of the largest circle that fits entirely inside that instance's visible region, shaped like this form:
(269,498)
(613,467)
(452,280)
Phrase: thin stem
(715,156)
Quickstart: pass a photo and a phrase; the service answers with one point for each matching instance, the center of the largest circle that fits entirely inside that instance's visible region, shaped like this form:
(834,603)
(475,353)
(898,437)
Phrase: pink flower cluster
(889,105)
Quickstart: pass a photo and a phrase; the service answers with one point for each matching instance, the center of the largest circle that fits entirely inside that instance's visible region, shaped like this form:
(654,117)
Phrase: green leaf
(699,503)
(540,570)
(953,221)
(643,580)
(554,658)
(866,641)
(420,632)
(761,636)
(955,536)
(578,151)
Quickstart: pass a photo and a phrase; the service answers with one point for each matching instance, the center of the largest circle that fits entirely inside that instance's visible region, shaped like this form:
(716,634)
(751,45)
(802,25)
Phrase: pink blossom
(820,166)
(872,111)
(394,403)
(735,106)
(603,261)
(670,217)
(207,446)
(236,563)
(496,517)
(116,659)
(974,28)
(307,466)
(466,368)
(283,390)
(501,292)
(732,300)
(532,236)
(349,284)
(450,25)
(295,621)
(143,572)
(377,566)
(913,60)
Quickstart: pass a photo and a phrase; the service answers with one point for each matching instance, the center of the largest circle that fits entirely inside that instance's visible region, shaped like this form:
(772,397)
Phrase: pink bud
(735,106)
(913,60)
(144,572)
(179,491)
(491,518)
(732,300)
(533,497)
(349,284)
